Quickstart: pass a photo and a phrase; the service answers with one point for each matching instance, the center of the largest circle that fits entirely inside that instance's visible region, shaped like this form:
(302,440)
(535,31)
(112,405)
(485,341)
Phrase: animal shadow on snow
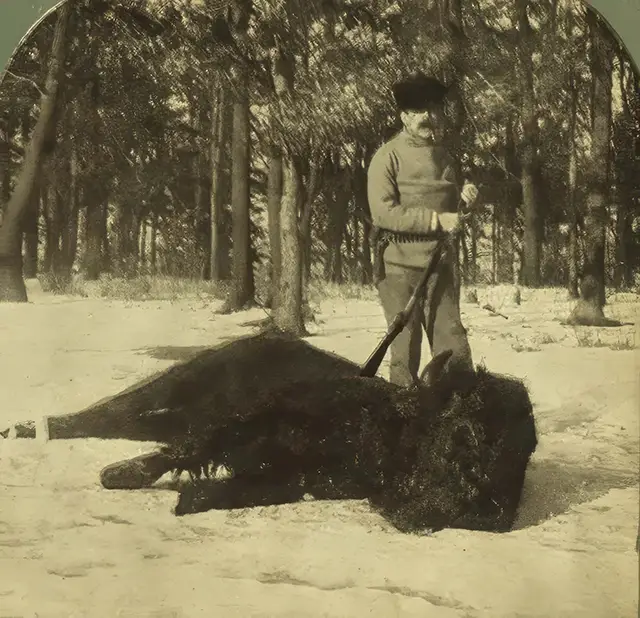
(181,354)
(174,353)
(552,488)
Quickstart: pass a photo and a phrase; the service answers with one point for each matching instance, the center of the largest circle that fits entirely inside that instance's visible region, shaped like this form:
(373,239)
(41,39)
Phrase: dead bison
(450,454)
(289,419)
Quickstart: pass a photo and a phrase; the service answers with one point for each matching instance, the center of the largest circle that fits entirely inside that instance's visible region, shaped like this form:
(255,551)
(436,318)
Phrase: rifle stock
(370,368)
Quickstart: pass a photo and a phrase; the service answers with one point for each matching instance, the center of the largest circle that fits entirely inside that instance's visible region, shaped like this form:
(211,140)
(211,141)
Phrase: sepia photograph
(319,308)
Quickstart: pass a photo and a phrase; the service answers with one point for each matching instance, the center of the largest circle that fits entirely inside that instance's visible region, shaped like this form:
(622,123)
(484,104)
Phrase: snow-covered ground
(70,548)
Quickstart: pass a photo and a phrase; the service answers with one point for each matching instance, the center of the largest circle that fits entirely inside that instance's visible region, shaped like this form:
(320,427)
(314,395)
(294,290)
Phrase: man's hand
(469,193)
(449,221)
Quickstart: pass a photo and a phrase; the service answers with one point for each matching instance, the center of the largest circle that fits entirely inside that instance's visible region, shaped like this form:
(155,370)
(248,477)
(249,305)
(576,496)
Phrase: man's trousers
(437,313)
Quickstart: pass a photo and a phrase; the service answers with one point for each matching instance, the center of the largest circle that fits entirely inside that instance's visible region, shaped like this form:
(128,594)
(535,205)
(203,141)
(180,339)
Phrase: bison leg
(243,491)
(137,472)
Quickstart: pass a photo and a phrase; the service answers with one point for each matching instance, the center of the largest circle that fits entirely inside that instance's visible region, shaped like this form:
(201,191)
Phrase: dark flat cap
(418,91)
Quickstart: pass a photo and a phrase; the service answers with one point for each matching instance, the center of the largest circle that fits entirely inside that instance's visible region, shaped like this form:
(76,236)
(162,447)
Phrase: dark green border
(17,17)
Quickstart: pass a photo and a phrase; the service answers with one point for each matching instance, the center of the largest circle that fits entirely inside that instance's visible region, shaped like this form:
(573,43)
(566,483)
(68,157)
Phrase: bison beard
(452,454)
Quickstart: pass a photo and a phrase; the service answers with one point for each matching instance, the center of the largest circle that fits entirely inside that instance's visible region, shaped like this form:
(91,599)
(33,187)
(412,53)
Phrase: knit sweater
(408,180)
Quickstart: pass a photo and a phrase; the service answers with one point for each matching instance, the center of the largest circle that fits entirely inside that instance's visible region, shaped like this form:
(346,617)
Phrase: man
(414,199)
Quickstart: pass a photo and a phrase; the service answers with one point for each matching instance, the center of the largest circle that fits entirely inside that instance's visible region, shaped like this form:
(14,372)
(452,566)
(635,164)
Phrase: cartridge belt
(387,236)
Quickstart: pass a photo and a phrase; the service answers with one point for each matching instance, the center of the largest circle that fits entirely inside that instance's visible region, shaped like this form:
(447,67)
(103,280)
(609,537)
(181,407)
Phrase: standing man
(413,195)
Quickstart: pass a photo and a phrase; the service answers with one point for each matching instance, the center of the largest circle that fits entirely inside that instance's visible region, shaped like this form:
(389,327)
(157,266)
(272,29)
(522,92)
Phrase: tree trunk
(336,198)
(589,309)
(201,226)
(154,243)
(142,252)
(452,19)
(627,171)
(94,249)
(356,275)
(367,265)
(348,245)
(572,205)
(451,11)
(495,239)
(243,283)
(337,271)
(574,257)
(96,190)
(56,221)
(12,286)
(598,194)
(508,208)
(504,253)
(474,248)
(624,233)
(306,240)
(274,201)
(288,313)
(53,209)
(30,221)
(52,230)
(463,266)
(532,227)
(334,236)
(202,201)
(316,166)
(125,235)
(70,222)
(57,205)
(48,230)
(107,258)
(72,234)
(221,121)
(135,242)
(5,166)
(362,210)
(30,230)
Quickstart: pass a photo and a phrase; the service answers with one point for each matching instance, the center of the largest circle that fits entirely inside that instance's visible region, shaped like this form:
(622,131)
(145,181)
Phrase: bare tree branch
(25,79)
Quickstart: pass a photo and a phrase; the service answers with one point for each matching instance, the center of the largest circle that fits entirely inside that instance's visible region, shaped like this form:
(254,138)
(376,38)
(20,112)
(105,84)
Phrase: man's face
(424,123)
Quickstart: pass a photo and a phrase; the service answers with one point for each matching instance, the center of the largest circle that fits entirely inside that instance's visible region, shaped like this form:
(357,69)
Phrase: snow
(70,548)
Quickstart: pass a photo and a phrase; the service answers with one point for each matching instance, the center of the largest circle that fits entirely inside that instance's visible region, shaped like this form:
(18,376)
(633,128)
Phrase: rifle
(400,321)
